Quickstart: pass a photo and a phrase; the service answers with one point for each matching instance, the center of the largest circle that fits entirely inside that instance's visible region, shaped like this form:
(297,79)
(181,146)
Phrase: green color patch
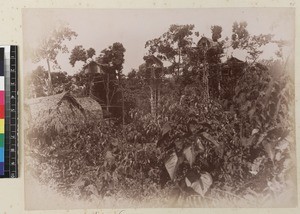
(1,140)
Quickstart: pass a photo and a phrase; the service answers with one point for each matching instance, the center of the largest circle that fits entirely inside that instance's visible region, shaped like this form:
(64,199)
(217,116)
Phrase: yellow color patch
(1,125)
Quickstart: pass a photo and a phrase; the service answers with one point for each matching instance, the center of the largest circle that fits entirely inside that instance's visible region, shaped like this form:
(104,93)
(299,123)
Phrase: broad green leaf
(206,180)
(261,138)
(256,164)
(189,154)
(201,185)
(171,165)
(254,131)
(210,138)
(196,186)
(166,128)
(270,150)
(282,145)
(187,181)
(200,145)
(179,144)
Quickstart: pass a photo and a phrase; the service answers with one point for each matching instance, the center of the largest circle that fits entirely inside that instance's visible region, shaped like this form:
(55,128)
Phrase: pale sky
(100,28)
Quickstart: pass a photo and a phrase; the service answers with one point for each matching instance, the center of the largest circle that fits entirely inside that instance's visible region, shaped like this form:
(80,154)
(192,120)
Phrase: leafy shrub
(244,151)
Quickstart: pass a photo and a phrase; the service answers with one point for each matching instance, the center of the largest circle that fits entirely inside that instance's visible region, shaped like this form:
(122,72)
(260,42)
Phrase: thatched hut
(92,67)
(204,43)
(62,112)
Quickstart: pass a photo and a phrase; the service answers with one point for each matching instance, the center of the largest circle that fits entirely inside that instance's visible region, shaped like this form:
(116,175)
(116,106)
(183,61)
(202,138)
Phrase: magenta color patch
(2,95)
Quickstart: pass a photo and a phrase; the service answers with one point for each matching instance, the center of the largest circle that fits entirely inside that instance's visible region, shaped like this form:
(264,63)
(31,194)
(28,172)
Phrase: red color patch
(2,95)
(2,109)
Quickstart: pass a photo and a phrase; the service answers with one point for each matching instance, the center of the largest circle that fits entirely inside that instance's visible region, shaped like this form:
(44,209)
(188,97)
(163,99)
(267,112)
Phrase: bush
(244,152)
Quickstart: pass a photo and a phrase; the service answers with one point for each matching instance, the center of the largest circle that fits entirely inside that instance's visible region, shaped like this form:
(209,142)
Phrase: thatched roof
(62,111)
(233,60)
(92,67)
(153,60)
(206,43)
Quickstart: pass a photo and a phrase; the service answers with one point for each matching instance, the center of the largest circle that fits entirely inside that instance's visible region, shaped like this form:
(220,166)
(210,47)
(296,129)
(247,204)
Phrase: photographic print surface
(159,108)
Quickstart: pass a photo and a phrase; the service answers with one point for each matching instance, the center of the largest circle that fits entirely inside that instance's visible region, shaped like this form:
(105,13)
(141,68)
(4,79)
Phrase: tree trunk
(50,88)
(219,81)
(157,96)
(205,79)
(123,105)
(107,92)
(123,113)
(179,61)
(90,81)
(153,93)
(152,101)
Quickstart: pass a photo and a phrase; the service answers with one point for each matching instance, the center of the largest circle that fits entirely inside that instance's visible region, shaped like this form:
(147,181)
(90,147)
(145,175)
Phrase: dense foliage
(234,143)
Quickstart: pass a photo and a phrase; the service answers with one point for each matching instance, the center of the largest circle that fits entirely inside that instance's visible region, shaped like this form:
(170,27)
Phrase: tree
(211,59)
(153,74)
(240,149)
(50,47)
(102,86)
(172,47)
(203,62)
(239,34)
(80,54)
(38,82)
(252,44)
(216,32)
(136,91)
(112,59)
(113,56)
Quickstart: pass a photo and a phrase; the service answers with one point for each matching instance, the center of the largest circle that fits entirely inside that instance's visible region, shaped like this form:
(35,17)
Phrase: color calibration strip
(2,111)
(10,112)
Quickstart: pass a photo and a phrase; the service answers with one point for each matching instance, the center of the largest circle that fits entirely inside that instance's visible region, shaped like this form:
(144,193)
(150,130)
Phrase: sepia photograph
(159,108)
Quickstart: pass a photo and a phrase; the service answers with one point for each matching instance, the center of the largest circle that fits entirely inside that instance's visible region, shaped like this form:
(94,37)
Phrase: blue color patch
(1,168)
(2,154)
